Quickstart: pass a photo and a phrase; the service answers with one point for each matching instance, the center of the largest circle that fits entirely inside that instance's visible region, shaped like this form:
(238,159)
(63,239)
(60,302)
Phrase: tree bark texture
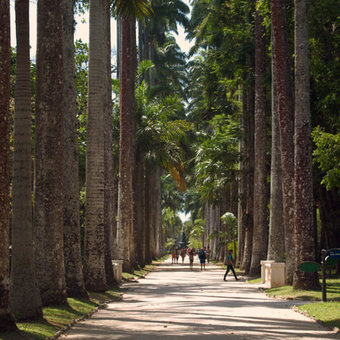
(140,207)
(6,319)
(25,296)
(304,228)
(109,199)
(126,148)
(276,245)
(249,170)
(94,260)
(158,212)
(48,213)
(286,116)
(74,277)
(260,234)
(241,209)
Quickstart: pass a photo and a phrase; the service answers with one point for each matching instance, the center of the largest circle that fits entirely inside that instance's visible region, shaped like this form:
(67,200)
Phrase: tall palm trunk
(249,170)
(276,224)
(140,209)
(25,295)
(158,212)
(72,254)
(127,139)
(109,199)
(303,190)
(286,116)
(6,319)
(260,234)
(94,260)
(49,258)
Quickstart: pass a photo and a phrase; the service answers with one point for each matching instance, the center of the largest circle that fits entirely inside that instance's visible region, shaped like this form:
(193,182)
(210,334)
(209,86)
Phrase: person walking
(191,258)
(230,265)
(202,257)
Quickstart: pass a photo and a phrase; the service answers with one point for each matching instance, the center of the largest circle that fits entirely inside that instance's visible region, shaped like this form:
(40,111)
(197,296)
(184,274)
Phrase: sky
(82,30)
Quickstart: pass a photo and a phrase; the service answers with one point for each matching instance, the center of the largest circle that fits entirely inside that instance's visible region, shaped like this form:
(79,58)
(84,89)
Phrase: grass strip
(328,313)
(58,317)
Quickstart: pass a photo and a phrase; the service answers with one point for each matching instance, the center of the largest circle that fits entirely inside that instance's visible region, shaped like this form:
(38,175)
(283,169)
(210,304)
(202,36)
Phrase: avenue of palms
(98,159)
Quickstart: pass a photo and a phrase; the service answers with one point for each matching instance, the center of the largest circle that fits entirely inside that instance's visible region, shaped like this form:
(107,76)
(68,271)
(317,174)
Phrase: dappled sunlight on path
(174,302)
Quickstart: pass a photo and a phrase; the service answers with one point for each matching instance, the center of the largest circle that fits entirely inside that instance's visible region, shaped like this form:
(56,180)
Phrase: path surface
(176,303)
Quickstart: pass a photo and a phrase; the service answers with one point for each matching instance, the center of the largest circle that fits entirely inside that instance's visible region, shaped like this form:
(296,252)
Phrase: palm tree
(72,254)
(25,295)
(94,260)
(6,319)
(48,214)
(286,118)
(276,243)
(304,227)
(260,232)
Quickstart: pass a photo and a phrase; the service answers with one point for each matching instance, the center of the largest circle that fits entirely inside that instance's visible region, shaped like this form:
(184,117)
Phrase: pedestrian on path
(202,256)
(191,257)
(230,265)
(183,253)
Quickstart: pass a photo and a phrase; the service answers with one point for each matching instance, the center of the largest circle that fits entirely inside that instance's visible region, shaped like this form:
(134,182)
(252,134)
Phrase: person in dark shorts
(202,256)
(230,265)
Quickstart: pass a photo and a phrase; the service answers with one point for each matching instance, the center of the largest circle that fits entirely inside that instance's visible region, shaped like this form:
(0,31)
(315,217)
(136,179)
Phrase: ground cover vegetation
(98,160)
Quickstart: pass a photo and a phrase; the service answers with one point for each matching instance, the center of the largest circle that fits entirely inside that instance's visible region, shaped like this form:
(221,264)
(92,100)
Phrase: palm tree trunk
(303,190)
(276,225)
(260,233)
(127,148)
(140,209)
(94,260)
(7,321)
(286,116)
(109,198)
(25,295)
(48,214)
(74,277)
(249,169)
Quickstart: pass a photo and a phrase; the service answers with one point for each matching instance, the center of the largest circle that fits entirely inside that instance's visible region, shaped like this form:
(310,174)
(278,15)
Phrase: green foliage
(81,76)
(217,158)
(327,156)
(139,9)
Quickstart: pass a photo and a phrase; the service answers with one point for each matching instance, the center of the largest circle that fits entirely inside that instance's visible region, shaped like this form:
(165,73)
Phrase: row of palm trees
(46,263)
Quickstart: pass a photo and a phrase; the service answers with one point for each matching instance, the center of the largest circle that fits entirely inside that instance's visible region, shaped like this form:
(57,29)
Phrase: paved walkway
(174,302)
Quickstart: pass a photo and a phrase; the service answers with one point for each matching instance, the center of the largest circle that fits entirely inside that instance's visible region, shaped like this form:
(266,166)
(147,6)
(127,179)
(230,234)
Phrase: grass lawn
(326,312)
(56,318)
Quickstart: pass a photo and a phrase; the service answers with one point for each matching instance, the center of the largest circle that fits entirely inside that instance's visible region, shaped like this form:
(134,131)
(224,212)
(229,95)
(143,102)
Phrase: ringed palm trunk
(249,169)
(25,295)
(276,245)
(72,253)
(158,212)
(7,321)
(286,117)
(109,201)
(94,260)
(49,258)
(304,231)
(260,233)
(127,140)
